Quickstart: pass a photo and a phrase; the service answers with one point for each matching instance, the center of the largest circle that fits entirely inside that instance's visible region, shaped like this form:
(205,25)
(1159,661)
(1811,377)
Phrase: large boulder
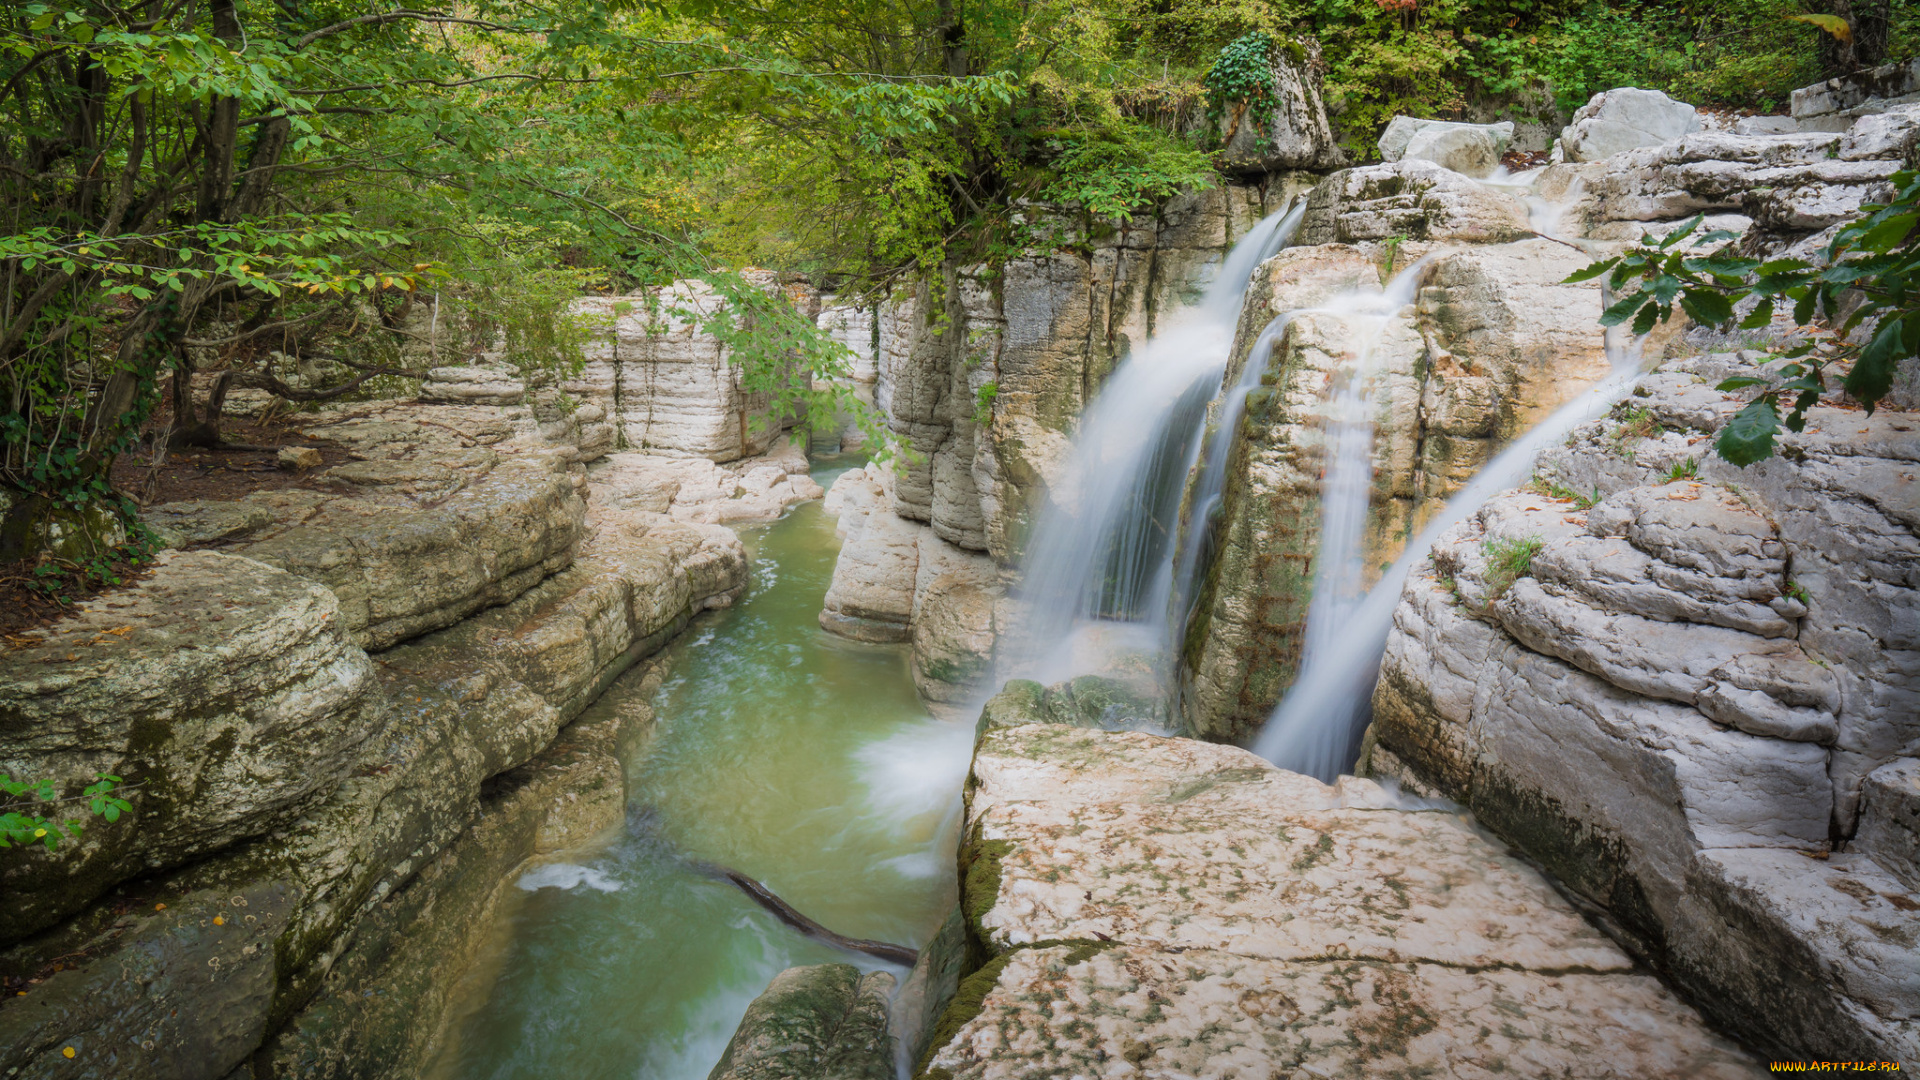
(824,1022)
(1471,149)
(229,696)
(1189,909)
(1410,200)
(1298,135)
(1615,121)
(1835,105)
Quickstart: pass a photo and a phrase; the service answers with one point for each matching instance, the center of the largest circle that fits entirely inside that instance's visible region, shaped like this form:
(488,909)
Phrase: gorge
(1301,626)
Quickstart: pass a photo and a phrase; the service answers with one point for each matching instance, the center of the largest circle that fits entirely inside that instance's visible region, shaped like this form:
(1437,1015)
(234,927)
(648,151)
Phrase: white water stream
(1317,727)
(1102,547)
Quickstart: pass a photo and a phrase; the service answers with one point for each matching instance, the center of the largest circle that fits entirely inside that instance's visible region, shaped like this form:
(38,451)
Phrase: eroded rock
(1186,907)
(825,1022)
(1615,121)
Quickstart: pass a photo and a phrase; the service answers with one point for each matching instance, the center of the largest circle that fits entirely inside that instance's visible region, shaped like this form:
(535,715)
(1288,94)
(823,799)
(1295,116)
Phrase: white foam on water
(567,876)
(913,777)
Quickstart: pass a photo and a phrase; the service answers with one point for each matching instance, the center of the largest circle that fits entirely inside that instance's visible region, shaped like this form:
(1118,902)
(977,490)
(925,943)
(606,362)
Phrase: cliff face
(1697,703)
(1491,343)
(982,373)
(318,830)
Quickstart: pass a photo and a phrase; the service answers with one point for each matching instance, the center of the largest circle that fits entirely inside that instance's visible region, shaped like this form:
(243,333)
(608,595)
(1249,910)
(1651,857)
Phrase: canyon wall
(345,711)
(1694,696)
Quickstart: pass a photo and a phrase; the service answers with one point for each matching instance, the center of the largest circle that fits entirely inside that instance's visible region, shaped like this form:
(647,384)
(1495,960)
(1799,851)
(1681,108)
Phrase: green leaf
(1649,316)
(1623,309)
(1589,272)
(1749,436)
(1832,24)
(1706,307)
(1872,374)
(1739,382)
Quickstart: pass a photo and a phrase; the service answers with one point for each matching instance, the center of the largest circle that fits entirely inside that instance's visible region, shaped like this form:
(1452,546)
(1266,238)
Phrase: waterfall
(1317,727)
(1102,546)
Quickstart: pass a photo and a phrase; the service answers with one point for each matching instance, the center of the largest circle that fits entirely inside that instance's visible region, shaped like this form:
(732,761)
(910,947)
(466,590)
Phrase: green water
(795,757)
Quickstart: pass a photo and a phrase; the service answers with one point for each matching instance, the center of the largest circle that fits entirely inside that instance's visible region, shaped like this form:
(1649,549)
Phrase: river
(798,758)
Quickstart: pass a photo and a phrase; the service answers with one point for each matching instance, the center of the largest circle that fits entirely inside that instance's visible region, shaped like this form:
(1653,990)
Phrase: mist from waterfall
(1102,546)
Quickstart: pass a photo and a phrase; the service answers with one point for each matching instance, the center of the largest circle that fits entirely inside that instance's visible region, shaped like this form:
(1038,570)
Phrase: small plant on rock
(983,399)
(1685,469)
(1554,489)
(1508,560)
(21,820)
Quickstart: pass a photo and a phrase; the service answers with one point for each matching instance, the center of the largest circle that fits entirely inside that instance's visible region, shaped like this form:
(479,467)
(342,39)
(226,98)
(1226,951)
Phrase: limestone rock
(225,692)
(402,572)
(696,490)
(1470,149)
(225,968)
(299,458)
(1838,103)
(825,1022)
(1493,343)
(1615,121)
(190,522)
(1656,712)
(1299,135)
(1188,908)
(1766,125)
(666,382)
(1070,1009)
(479,384)
(953,621)
(1090,701)
(1890,820)
(1794,182)
(1415,199)
(871,597)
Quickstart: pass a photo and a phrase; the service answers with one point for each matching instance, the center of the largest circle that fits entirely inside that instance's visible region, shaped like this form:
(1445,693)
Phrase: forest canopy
(236,185)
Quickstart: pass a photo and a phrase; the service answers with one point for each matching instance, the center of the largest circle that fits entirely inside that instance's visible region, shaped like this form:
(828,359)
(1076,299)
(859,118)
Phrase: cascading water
(1317,727)
(1101,547)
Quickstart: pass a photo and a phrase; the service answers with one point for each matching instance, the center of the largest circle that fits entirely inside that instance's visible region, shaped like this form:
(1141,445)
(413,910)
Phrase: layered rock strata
(300,808)
(658,367)
(1156,905)
(897,580)
(1692,692)
(1492,342)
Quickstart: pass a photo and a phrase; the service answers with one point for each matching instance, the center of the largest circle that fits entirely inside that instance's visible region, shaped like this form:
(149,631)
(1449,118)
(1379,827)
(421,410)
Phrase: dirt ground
(248,465)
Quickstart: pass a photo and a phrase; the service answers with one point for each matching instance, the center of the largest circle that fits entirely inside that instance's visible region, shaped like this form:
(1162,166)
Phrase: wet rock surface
(1493,342)
(824,1022)
(1163,905)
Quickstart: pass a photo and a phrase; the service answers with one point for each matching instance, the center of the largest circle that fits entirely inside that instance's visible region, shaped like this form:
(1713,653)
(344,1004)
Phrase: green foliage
(1508,560)
(1553,489)
(1687,468)
(983,399)
(1875,259)
(1119,176)
(22,817)
(1242,78)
